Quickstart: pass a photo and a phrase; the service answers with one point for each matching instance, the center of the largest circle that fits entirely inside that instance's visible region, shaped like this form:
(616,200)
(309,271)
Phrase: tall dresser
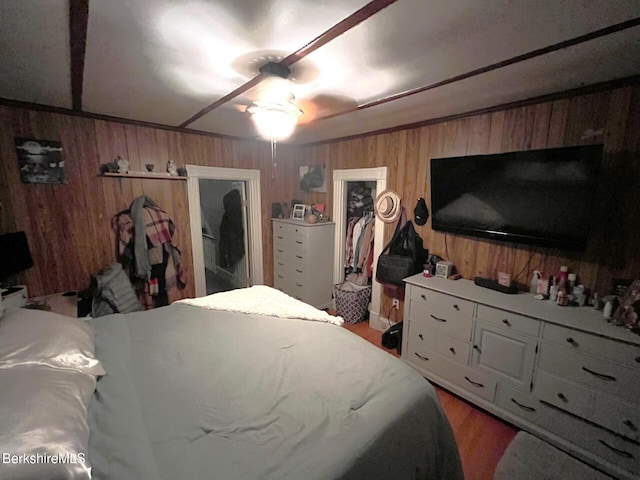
(562,373)
(303,260)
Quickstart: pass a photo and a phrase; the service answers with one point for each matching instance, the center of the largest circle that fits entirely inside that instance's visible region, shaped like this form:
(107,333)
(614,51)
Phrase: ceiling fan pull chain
(273,158)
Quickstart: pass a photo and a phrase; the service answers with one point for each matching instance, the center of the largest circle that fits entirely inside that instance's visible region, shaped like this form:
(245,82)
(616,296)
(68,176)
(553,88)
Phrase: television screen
(535,197)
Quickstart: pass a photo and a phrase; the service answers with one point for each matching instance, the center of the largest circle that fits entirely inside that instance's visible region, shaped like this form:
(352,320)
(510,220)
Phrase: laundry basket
(352,301)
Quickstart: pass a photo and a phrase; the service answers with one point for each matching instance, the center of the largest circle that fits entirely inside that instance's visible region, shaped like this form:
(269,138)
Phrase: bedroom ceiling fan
(274,111)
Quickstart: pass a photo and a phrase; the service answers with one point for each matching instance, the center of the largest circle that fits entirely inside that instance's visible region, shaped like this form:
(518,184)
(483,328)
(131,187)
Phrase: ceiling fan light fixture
(275,120)
(274,113)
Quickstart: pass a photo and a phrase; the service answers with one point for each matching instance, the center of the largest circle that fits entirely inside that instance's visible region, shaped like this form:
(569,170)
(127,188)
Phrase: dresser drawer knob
(438,319)
(299,284)
(475,384)
(603,376)
(421,357)
(455,305)
(424,297)
(571,341)
(298,270)
(420,336)
(617,451)
(562,397)
(630,424)
(452,350)
(297,256)
(477,348)
(506,322)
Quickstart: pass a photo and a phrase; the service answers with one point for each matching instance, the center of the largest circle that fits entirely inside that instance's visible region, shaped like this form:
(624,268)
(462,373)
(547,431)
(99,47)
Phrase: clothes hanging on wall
(145,247)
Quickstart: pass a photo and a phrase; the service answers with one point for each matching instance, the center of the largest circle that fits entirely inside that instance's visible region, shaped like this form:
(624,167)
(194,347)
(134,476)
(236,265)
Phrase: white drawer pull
(523,407)
(421,357)
(280,276)
(603,376)
(617,451)
(438,319)
(475,384)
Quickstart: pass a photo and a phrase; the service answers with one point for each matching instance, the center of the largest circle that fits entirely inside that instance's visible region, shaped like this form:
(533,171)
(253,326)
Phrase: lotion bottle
(553,289)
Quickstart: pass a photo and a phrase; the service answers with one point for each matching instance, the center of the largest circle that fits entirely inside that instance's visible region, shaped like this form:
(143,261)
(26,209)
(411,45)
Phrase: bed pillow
(44,432)
(37,337)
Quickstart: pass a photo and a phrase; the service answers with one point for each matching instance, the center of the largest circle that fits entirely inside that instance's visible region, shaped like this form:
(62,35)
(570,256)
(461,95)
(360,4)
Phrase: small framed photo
(299,210)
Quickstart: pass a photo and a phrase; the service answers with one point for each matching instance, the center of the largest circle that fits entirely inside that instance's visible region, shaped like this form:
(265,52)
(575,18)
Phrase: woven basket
(352,301)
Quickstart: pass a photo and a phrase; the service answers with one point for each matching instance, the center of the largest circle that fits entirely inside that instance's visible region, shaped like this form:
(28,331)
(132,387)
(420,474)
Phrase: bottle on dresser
(562,278)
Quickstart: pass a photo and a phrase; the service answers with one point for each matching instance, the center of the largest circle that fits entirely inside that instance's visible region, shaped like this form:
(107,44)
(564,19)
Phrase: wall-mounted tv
(535,197)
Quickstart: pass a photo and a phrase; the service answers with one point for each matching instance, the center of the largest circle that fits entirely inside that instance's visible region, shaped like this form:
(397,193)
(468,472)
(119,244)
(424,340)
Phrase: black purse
(406,255)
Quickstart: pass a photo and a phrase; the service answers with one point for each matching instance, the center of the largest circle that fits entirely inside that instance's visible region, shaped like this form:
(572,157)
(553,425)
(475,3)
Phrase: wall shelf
(156,175)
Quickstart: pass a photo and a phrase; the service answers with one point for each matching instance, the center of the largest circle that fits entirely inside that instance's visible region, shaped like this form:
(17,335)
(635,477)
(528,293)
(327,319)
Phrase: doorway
(341,180)
(225,213)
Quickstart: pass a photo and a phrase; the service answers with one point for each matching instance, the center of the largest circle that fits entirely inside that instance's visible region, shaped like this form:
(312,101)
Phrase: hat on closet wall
(387,206)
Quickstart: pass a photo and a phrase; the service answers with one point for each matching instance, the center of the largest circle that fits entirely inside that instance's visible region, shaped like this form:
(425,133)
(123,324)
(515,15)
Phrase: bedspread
(192,393)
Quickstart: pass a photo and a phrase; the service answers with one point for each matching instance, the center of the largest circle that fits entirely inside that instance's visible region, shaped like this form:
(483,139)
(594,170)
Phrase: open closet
(354,192)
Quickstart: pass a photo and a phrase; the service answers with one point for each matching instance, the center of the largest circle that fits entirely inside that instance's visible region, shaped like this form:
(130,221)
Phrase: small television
(535,197)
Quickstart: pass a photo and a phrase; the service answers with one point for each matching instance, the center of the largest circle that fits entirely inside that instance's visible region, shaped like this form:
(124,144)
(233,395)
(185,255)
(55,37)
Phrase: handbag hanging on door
(406,254)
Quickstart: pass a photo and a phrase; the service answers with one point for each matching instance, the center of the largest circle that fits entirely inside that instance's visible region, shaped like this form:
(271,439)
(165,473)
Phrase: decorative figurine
(172,168)
(123,164)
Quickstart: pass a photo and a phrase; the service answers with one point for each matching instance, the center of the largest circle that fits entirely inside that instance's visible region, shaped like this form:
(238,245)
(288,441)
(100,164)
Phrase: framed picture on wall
(298,211)
(40,161)
(313,179)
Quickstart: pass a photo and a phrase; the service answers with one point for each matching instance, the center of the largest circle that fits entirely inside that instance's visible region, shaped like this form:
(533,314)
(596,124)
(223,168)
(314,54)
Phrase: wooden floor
(481,437)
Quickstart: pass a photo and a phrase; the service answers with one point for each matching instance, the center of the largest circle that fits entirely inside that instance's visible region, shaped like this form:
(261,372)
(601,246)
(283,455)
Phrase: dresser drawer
(453,372)
(618,416)
(511,321)
(563,394)
(442,320)
(596,373)
(427,340)
(446,303)
(521,404)
(593,344)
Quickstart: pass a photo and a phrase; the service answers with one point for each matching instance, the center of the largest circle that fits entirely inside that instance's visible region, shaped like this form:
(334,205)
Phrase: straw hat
(387,206)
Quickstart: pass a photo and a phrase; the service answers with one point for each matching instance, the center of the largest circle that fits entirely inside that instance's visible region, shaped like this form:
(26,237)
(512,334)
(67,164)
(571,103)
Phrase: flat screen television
(535,197)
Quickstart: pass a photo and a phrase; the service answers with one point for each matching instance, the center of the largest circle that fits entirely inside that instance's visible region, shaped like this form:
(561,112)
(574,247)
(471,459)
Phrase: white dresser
(562,373)
(303,260)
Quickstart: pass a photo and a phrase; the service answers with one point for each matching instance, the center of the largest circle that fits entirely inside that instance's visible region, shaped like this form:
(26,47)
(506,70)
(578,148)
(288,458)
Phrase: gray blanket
(198,394)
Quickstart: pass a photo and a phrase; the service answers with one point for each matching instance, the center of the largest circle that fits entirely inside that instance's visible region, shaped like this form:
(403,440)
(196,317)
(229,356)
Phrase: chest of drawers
(562,373)
(303,260)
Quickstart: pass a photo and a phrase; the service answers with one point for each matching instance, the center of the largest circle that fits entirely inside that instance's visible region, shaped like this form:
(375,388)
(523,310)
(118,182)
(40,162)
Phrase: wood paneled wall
(611,118)
(68,226)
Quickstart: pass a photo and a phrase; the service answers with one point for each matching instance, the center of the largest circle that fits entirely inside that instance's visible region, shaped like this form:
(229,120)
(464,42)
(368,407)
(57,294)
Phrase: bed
(191,391)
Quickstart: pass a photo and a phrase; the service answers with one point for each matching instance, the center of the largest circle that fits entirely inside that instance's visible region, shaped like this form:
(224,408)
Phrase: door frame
(340,179)
(253,214)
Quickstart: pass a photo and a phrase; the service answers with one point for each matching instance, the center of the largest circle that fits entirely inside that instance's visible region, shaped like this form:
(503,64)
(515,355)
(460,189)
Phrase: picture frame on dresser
(299,211)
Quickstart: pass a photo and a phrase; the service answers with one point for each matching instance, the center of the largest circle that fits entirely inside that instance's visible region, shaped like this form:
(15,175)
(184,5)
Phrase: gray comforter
(199,394)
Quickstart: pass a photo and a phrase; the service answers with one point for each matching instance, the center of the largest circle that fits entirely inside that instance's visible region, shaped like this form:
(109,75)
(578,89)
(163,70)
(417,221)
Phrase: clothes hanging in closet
(359,246)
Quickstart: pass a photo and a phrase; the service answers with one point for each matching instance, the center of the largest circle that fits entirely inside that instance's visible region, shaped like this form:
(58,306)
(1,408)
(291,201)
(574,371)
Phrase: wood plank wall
(610,117)
(68,226)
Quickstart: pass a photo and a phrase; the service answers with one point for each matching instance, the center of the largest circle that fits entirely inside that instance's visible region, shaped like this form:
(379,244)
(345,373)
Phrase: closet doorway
(341,181)
(225,218)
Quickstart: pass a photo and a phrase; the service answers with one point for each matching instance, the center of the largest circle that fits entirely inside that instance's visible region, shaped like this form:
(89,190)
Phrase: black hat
(421,212)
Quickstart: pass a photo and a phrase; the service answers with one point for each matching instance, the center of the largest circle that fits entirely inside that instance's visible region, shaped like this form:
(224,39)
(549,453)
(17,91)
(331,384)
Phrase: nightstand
(65,303)
(15,296)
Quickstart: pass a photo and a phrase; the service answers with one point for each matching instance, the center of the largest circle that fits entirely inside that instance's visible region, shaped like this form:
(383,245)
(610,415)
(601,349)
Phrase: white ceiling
(162,61)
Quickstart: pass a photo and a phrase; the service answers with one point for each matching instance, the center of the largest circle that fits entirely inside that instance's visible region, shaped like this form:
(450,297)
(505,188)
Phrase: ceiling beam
(338,29)
(78,21)
(479,71)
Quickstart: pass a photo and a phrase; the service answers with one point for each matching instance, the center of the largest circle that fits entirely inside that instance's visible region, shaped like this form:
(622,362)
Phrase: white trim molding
(340,179)
(254,219)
